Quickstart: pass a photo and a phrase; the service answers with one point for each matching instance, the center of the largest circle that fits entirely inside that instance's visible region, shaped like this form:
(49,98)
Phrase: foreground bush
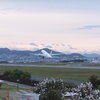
(95,81)
(18,76)
(56,90)
(50,89)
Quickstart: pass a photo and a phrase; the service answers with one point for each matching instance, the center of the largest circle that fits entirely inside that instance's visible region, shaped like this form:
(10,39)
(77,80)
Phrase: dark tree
(16,75)
(95,81)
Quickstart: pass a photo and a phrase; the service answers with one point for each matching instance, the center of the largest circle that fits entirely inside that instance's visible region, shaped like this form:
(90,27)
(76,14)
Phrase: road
(78,66)
(15,84)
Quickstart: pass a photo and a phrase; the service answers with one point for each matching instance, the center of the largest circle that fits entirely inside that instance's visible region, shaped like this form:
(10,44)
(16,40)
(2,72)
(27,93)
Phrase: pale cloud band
(89,27)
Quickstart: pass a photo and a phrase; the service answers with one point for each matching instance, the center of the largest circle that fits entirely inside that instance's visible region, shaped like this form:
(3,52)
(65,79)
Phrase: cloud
(96,51)
(70,47)
(48,46)
(62,44)
(55,44)
(42,44)
(12,9)
(5,11)
(33,44)
(89,27)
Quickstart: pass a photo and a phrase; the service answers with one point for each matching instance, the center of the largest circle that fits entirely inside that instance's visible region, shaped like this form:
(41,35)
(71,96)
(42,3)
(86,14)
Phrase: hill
(92,55)
(29,56)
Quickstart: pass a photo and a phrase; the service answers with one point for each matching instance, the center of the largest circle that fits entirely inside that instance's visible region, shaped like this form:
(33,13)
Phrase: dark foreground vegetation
(18,76)
(24,77)
(95,81)
(55,89)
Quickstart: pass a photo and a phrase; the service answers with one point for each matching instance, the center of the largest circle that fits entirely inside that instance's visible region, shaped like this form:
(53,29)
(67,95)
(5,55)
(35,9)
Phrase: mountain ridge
(7,50)
(30,56)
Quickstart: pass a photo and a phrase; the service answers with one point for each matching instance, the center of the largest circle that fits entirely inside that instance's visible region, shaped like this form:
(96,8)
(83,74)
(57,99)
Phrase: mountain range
(29,56)
(27,52)
(92,55)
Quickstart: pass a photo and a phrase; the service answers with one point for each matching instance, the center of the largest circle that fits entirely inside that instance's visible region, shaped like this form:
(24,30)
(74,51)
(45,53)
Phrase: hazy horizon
(62,25)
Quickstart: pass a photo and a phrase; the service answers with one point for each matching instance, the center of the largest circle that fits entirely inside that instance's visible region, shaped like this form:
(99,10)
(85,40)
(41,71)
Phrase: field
(63,63)
(5,89)
(64,73)
(12,89)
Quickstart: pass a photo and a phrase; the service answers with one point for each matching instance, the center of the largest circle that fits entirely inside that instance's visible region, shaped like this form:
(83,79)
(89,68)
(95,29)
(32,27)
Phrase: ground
(12,89)
(64,73)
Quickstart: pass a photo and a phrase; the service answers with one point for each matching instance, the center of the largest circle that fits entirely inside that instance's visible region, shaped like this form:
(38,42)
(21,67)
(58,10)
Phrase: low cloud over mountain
(90,27)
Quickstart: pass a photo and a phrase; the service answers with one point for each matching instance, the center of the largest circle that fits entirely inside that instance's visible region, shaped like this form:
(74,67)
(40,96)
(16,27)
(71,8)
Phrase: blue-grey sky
(64,25)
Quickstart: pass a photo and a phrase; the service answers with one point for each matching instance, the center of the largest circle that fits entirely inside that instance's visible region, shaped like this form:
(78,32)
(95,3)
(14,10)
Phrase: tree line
(18,76)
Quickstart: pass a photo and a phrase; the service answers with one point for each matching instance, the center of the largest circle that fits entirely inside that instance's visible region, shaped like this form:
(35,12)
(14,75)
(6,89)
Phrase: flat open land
(5,88)
(64,73)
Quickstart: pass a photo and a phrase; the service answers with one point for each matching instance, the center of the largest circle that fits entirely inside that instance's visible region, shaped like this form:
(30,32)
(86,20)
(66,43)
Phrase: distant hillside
(92,55)
(48,50)
(29,56)
(28,52)
(14,52)
(60,53)
(73,55)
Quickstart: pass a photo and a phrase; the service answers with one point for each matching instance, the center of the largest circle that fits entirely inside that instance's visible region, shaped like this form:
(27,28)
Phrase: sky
(62,25)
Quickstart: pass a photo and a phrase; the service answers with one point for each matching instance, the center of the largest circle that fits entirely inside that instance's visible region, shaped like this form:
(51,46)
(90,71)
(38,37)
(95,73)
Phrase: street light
(17,84)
